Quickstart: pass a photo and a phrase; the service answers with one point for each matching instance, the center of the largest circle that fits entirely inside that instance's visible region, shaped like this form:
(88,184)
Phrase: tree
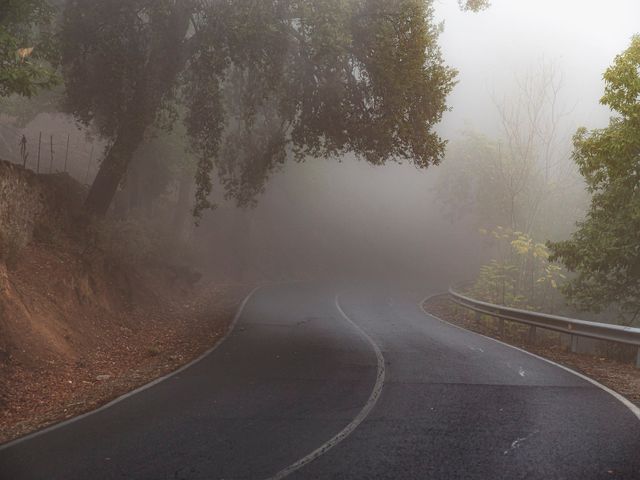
(519,188)
(511,180)
(26,47)
(316,79)
(520,275)
(160,178)
(605,250)
(472,184)
(474,5)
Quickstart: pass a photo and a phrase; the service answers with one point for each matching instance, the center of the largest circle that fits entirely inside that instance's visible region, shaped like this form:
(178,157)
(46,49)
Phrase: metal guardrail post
(574,343)
(501,326)
(638,358)
(532,334)
(478,316)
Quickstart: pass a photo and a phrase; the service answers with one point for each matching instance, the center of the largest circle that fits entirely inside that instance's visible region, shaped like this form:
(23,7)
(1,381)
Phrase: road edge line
(68,421)
(362,415)
(625,401)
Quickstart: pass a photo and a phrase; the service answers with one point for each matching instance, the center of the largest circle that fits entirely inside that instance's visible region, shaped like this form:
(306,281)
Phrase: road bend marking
(634,409)
(366,409)
(143,387)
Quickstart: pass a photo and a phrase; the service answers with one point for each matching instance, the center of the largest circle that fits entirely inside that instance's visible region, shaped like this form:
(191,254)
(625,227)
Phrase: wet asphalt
(294,372)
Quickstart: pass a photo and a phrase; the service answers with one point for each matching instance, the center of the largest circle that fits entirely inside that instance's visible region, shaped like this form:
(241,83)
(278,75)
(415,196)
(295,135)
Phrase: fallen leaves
(35,397)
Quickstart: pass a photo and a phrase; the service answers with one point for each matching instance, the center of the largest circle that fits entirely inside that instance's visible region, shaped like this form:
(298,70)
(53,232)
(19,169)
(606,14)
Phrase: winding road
(364,385)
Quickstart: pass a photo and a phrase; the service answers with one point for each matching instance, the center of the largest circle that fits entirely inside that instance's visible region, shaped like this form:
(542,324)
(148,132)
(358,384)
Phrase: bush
(521,275)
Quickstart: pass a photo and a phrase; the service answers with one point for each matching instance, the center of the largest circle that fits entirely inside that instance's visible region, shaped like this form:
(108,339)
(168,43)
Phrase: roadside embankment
(79,326)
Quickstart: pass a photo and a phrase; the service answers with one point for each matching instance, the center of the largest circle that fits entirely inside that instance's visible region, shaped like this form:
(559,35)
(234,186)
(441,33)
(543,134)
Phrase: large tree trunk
(158,79)
(133,187)
(113,169)
(181,212)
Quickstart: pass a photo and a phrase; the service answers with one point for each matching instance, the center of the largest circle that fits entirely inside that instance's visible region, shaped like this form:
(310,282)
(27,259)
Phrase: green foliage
(26,47)
(605,250)
(521,276)
(117,60)
(22,110)
(474,5)
(258,79)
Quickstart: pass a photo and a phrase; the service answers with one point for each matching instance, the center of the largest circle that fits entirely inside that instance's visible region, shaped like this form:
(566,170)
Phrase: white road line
(142,388)
(634,409)
(346,431)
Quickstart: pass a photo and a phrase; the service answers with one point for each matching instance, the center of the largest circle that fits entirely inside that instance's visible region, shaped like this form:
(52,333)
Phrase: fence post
(66,156)
(51,160)
(23,151)
(39,145)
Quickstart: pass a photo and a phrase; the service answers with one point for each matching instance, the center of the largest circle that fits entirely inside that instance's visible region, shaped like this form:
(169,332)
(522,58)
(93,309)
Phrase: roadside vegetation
(604,251)
(525,192)
(595,271)
(28,52)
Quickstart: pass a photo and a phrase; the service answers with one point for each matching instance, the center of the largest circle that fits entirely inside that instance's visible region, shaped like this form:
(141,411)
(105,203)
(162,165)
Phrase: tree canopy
(255,81)
(26,47)
(605,249)
(474,5)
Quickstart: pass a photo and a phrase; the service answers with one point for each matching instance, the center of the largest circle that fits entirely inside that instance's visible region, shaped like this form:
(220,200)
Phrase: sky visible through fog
(392,213)
(333,212)
(489,48)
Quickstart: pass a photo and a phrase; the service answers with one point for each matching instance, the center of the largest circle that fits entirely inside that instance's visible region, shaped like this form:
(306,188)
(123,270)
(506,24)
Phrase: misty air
(319,239)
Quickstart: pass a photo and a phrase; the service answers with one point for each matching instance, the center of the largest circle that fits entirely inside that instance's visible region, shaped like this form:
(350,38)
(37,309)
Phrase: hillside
(75,319)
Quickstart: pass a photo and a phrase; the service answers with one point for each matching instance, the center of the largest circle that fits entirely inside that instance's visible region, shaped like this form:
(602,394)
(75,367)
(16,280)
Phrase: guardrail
(575,328)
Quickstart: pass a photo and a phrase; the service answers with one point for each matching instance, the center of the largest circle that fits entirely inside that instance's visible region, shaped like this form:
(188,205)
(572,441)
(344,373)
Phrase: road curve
(296,374)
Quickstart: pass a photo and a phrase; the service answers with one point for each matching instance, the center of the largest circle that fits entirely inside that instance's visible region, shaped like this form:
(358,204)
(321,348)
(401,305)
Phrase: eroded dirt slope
(79,327)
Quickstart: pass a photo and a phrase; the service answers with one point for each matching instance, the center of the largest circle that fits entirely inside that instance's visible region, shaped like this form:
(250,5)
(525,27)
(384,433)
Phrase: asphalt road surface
(368,387)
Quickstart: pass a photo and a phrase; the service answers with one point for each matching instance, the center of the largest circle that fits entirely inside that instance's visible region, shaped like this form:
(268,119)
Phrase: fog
(490,47)
(328,218)
(343,215)
(242,232)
